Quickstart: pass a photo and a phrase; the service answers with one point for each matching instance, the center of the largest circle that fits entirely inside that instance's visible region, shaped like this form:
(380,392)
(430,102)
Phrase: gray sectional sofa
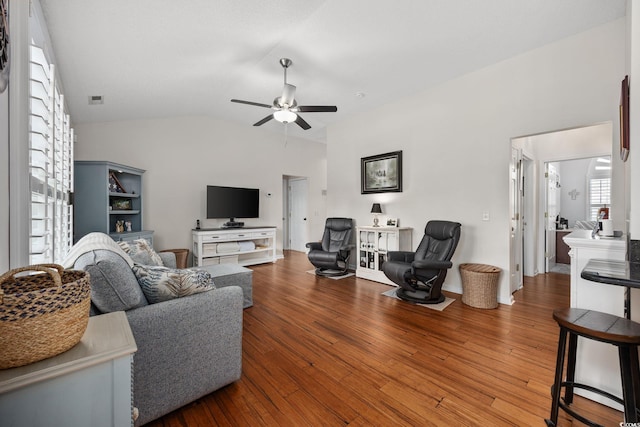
(187,347)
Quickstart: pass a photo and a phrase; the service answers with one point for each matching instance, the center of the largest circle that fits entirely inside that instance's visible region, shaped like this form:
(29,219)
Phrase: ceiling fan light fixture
(285,116)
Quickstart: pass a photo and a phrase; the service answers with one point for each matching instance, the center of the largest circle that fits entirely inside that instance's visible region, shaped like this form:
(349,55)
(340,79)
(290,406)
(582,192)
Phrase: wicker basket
(41,315)
(181,256)
(480,285)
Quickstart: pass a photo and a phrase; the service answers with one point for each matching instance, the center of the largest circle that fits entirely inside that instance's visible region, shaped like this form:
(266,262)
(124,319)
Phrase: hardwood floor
(323,352)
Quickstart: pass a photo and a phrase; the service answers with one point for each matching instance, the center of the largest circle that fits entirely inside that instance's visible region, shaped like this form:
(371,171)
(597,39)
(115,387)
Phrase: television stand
(211,246)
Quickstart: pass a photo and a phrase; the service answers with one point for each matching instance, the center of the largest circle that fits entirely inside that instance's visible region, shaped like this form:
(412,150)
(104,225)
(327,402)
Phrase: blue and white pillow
(161,283)
(141,252)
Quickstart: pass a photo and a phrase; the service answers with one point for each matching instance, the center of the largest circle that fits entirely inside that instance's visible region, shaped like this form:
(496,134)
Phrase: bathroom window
(599,195)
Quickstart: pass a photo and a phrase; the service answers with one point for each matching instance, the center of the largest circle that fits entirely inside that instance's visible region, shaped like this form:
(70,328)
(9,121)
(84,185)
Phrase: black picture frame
(624,119)
(381,173)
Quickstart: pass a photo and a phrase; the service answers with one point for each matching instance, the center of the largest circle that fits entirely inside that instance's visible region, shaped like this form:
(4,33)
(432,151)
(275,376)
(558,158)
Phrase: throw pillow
(162,283)
(141,252)
(114,287)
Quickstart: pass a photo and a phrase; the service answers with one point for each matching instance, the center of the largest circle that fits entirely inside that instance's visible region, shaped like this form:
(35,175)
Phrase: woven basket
(41,315)
(480,285)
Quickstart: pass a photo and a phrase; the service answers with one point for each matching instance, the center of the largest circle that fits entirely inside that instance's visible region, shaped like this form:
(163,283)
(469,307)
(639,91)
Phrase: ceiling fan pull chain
(286,134)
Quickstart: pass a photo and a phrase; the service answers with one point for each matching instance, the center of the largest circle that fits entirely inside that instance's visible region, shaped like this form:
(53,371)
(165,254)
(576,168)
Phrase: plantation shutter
(599,195)
(50,164)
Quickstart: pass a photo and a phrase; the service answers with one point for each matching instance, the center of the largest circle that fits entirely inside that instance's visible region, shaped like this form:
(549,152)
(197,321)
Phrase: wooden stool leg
(635,373)
(557,382)
(571,368)
(628,392)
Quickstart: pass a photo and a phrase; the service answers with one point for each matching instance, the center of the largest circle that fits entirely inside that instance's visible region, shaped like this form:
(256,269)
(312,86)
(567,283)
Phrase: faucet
(596,228)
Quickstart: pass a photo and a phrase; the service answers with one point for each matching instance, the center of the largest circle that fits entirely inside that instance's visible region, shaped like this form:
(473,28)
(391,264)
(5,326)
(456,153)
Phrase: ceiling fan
(285,106)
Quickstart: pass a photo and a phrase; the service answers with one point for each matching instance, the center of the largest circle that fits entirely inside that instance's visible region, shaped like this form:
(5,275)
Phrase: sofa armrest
(187,348)
(168,259)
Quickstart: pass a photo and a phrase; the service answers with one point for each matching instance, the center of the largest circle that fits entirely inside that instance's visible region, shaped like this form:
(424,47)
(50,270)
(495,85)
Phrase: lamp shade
(285,116)
(376,209)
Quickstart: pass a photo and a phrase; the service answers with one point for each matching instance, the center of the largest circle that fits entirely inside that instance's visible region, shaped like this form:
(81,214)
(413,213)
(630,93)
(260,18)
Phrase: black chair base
(419,296)
(327,272)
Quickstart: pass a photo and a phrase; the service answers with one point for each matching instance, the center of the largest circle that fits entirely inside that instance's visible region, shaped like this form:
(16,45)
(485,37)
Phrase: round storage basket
(480,285)
(41,315)
(182,256)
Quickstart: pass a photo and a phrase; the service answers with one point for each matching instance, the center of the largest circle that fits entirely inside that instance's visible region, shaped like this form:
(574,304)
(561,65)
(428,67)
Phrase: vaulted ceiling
(162,58)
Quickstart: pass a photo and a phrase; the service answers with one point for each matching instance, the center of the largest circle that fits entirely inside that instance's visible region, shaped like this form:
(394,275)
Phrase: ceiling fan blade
(288,95)
(317,108)
(257,104)
(263,121)
(304,125)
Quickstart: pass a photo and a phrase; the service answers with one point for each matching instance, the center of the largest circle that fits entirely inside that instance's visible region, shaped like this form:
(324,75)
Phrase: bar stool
(594,325)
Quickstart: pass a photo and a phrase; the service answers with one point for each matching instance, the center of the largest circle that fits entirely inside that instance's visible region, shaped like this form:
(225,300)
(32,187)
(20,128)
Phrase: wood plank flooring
(323,352)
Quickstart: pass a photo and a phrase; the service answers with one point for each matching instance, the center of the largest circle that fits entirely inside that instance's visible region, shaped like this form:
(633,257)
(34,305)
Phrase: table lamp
(375,210)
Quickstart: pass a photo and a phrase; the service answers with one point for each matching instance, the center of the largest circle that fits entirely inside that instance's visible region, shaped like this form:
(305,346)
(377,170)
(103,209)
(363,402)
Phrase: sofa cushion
(162,283)
(141,252)
(114,287)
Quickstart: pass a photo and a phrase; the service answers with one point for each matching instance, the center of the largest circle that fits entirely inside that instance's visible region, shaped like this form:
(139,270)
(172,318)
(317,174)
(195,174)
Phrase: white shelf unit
(88,385)
(255,245)
(373,245)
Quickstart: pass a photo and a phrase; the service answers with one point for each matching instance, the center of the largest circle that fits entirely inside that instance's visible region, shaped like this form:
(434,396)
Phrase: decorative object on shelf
(603,212)
(128,226)
(120,226)
(114,184)
(376,210)
(41,315)
(121,204)
(381,173)
(4,45)
(392,222)
(624,119)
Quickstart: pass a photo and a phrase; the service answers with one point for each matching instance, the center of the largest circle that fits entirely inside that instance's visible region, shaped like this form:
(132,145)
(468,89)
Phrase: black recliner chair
(420,274)
(330,256)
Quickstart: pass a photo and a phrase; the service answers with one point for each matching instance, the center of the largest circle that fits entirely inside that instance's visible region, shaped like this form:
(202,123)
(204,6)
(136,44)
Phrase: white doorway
(530,216)
(295,215)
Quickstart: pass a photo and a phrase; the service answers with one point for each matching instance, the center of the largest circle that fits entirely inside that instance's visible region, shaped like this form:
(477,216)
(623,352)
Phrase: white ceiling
(162,58)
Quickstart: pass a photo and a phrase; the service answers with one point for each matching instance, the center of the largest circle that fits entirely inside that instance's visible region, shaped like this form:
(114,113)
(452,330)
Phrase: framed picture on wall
(624,119)
(381,173)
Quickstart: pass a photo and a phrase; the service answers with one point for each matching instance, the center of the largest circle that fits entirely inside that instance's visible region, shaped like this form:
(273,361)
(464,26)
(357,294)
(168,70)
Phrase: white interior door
(515,202)
(298,214)
(553,210)
(529,218)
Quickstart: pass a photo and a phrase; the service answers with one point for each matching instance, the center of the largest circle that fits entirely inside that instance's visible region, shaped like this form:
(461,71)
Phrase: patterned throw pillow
(141,252)
(162,283)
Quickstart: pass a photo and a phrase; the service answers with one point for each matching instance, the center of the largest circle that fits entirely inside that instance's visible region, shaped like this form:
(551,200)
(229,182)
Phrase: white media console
(244,246)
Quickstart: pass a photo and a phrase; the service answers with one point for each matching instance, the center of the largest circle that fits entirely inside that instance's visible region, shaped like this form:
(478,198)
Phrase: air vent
(96,100)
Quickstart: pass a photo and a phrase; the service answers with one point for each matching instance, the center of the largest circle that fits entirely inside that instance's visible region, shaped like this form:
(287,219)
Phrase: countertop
(621,273)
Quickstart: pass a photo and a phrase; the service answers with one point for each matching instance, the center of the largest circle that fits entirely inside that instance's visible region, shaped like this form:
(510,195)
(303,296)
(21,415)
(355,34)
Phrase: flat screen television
(232,202)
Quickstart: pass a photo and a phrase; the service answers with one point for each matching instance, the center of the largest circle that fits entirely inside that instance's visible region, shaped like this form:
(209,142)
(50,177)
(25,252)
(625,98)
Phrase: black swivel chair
(420,274)
(330,256)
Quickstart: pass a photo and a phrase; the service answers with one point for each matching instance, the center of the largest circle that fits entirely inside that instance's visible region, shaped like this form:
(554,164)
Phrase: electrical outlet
(485,216)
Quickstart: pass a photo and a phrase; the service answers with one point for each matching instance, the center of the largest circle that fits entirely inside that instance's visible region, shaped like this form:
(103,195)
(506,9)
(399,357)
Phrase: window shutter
(51,165)
(599,195)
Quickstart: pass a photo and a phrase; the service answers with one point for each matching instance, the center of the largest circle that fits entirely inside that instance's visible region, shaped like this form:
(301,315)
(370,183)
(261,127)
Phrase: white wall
(573,176)
(184,155)
(456,140)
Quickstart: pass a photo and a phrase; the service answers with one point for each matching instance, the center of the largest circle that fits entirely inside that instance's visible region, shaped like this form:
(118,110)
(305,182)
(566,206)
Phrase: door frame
(286,203)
